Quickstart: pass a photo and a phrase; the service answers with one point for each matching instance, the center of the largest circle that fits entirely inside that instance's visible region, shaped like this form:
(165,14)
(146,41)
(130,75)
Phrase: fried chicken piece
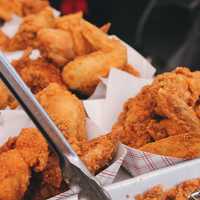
(33,148)
(9,145)
(183,190)
(33,6)
(180,192)
(14,175)
(56,45)
(3,40)
(164,108)
(6,98)
(156,193)
(52,182)
(98,153)
(37,74)
(83,73)
(66,110)
(27,33)
(185,146)
(21,7)
(8,8)
(72,24)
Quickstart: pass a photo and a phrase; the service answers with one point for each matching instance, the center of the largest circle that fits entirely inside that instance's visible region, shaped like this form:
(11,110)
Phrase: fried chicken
(83,73)
(164,108)
(97,153)
(67,111)
(56,45)
(33,148)
(14,175)
(37,74)
(6,98)
(33,6)
(27,33)
(21,7)
(72,24)
(185,146)
(182,191)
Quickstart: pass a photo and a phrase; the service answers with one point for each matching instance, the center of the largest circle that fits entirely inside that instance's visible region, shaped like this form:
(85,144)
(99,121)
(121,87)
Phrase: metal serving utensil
(194,196)
(74,171)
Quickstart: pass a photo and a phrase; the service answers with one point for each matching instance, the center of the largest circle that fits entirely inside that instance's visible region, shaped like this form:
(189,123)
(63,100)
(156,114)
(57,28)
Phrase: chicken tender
(37,74)
(185,146)
(27,33)
(164,108)
(98,153)
(84,72)
(66,110)
(33,148)
(14,176)
(56,45)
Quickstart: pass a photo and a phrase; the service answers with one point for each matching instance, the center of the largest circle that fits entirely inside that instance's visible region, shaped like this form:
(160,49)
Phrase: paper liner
(120,87)
(138,162)
(12,121)
(11,27)
(105,177)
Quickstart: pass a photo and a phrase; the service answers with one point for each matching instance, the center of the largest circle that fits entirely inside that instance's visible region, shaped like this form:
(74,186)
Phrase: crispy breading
(164,108)
(9,145)
(72,24)
(185,146)
(83,73)
(27,32)
(33,148)
(98,153)
(56,45)
(182,191)
(33,6)
(14,175)
(155,193)
(6,98)
(66,110)
(37,74)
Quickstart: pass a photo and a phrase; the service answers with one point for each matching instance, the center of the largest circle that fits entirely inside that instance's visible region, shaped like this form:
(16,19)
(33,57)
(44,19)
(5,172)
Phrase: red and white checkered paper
(138,162)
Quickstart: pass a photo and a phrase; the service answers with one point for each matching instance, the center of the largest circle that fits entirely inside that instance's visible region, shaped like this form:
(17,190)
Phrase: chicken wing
(84,72)
(72,24)
(164,108)
(27,33)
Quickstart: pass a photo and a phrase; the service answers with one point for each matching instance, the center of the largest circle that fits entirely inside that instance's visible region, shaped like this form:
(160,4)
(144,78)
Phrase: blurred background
(167,32)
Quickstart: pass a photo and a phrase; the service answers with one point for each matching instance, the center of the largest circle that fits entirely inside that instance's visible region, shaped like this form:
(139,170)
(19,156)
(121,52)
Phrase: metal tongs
(194,196)
(74,171)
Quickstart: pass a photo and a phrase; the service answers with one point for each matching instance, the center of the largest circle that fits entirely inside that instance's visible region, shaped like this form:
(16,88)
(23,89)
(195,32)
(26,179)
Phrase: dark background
(169,35)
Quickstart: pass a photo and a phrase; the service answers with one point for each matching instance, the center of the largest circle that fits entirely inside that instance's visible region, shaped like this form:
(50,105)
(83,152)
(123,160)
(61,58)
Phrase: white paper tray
(168,177)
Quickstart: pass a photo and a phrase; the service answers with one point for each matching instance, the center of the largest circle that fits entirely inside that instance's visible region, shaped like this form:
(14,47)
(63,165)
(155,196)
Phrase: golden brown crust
(67,112)
(166,107)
